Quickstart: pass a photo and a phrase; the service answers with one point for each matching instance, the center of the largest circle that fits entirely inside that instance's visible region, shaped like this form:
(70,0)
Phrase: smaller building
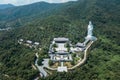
(58,50)
(36,43)
(29,42)
(80,45)
(21,40)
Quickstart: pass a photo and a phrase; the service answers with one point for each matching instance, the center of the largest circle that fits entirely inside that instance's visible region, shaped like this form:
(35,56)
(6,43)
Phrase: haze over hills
(43,21)
(4,6)
(21,14)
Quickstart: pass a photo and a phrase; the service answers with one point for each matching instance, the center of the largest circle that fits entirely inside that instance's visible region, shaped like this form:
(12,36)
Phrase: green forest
(32,22)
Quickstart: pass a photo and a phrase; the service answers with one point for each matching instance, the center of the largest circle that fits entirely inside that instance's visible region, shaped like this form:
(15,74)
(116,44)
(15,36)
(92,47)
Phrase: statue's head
(90,26)
(90,23)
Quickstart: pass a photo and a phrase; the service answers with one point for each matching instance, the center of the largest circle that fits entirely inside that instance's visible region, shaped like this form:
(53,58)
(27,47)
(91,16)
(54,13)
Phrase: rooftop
(36,43)
(28,41)
(80,44)
(61,39)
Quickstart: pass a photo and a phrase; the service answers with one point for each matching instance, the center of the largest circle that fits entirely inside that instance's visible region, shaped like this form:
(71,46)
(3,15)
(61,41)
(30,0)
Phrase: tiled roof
(61,39)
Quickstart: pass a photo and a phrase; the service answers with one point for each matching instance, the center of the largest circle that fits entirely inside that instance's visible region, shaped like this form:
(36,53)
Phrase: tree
(51,62)
(40,60)
(55,45)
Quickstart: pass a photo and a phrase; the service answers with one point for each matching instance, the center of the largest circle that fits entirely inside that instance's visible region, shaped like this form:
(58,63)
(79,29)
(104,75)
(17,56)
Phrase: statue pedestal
(92,38)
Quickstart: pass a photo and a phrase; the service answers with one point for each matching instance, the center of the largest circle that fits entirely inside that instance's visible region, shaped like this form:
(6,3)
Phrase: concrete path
(43,73)
(46,64)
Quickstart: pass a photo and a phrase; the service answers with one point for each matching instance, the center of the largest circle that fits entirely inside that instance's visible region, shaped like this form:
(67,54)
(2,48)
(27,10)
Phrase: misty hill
(26,10)
(23,14)
(4,6)
(66,20)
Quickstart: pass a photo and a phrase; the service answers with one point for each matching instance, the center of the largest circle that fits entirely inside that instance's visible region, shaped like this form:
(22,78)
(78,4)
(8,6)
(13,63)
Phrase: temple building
(60,49)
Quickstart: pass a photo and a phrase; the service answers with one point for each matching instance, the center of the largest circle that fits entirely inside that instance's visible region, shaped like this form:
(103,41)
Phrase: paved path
(45,63)
(43,73)
(85,57)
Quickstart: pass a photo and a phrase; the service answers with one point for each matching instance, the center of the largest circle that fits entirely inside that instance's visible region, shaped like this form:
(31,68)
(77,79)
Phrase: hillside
(68,20)
(20,15)
(4,6)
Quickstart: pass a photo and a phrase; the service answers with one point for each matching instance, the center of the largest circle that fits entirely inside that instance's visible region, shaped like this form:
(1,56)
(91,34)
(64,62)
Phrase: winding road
(45,63)
(43,73)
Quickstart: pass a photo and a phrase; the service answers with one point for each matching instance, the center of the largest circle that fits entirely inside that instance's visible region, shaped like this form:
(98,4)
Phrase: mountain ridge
(27,12)
(5,6)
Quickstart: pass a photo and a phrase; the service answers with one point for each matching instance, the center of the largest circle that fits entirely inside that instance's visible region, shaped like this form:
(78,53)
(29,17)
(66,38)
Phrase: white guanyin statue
(89,34)
(90,29)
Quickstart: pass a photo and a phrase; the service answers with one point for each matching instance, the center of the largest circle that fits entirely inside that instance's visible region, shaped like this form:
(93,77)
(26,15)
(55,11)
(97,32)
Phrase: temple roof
(61,39)
(80,44)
